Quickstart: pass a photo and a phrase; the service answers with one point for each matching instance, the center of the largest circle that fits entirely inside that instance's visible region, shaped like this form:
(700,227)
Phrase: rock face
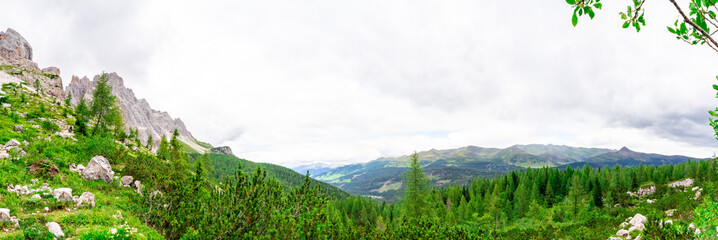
(98,169)
(16,53)
(223,150)
(136,113)
(55,229)
(13,45)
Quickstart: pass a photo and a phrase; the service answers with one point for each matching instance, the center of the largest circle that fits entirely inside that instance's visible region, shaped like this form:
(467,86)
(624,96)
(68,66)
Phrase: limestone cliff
(136,113)
(16,60)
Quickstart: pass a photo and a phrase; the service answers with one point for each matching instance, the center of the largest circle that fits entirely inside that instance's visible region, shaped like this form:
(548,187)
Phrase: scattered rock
(646,191)
(17,128)
(695,188)
(650,201)
(4,154)
(12,143)
(632,194)
(36,196)
(65,135)
(77,168)
(127,181)
(138,185)
(637,222)
(88,198)
(98,169)
(62,194)
(670,212)
(622,232)
(55,229)
(698,194)
(683,183)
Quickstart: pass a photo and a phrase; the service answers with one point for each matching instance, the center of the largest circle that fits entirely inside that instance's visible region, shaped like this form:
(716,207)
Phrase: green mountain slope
(224,165)
(382,177)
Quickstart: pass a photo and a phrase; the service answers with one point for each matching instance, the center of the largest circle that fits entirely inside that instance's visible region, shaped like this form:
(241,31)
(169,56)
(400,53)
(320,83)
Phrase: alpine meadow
(358,120)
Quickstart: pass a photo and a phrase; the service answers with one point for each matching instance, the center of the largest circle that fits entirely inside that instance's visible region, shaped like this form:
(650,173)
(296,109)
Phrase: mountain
(313,169)
(16,60)
(136,113)
(381,178)
(627,157)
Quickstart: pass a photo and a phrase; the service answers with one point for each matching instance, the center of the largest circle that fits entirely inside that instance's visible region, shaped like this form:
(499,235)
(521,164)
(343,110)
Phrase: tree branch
(695,26)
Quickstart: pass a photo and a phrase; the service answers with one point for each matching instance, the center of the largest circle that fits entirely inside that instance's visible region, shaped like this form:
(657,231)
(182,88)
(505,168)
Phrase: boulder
(36,196)
(87,198)
(623,225)
(670,212)
(637,222)
(12,143)
(650,201)
(17,128)
(62,194)
(698,194)
(4,215)
(622,232)
(4,154)
(138,185)
(127,181)
(683,183)
(98,169)
(55,229)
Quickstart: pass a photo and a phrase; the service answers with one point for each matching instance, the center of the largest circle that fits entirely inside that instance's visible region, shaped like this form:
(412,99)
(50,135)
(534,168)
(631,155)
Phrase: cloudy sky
(350,81)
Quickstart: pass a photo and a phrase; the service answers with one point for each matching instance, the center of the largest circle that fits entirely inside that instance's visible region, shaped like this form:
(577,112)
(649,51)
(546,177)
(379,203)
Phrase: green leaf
(591,14)
(598,5)
(715,86)
(574,20)
(572,2)
(683,27)
(626,24)
(671,30)
(712,113)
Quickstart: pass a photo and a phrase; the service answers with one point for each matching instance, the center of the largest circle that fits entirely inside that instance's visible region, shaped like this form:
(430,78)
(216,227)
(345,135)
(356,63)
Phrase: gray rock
(683,183)
(138,185)
(622,232)
(127,181)
(98,169)
(13,45)
(223,150)
(136,113)
(646,191)
(17,128)
(670,212)
(12,143)
(62,194)
(55,229)
(36,196)
(637,222)
(86,198)
(4,215)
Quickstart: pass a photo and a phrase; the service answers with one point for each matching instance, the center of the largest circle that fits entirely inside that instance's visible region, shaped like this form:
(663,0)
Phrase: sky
(341,82)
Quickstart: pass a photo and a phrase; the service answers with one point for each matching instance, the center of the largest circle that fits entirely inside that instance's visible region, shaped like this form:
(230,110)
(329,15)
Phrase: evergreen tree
(416,190)
(597,193)
(105,109)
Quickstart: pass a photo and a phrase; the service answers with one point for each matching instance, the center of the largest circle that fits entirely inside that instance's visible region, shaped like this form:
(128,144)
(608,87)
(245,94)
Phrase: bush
(49,126)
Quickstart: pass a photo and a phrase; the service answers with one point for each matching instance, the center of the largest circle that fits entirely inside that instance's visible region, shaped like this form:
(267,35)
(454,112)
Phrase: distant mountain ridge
(381,178)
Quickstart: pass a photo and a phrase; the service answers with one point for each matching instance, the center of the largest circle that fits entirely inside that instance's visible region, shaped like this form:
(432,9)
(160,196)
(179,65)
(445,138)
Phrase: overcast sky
(297,82)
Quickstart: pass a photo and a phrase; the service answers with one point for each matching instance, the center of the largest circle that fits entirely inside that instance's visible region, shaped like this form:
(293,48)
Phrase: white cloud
(290,83)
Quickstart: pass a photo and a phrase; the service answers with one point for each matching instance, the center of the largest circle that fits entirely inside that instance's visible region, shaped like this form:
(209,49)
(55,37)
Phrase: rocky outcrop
(646,191)
(13,45)
(223,150)
(78,168)
(16,53)
(5,217)
(683,183)
(55,229)
(12,143)
(136,113)
(98,169)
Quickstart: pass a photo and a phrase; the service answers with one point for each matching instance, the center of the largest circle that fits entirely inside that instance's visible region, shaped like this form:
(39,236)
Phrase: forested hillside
(381,178)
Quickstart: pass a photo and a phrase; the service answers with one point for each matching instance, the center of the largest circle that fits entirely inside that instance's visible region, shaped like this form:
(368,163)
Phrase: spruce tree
(105,109)
(416,190)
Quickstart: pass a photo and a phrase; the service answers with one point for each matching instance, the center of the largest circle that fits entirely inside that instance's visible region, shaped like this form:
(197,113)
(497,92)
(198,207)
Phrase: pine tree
(416,191)
(597,193)
(105,109)
(575,195)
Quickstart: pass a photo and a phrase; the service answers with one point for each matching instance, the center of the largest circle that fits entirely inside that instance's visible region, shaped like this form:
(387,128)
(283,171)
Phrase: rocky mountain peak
(13,45)
(223,150)
(625,150)
(136,113)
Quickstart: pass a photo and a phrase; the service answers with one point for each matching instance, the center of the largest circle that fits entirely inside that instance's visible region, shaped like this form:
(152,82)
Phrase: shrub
(49,126)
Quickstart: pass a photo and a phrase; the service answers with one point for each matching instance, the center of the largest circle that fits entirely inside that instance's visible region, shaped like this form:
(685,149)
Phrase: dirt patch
(44,168)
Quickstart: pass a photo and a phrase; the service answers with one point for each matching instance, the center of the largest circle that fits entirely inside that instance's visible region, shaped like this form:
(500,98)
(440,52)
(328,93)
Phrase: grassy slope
(76,222)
